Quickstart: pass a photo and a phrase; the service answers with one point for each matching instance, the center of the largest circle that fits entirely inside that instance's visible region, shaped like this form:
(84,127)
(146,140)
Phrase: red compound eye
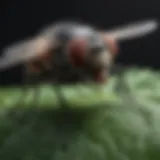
(77,52)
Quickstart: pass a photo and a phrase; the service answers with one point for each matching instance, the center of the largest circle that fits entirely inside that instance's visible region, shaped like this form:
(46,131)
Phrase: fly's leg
(60,96)
(57,81)
(29,81)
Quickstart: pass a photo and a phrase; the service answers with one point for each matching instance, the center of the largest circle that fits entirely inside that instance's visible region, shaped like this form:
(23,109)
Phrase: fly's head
(92,54)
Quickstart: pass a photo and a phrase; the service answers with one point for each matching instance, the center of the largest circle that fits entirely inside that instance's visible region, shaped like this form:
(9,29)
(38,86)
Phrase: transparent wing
(29,49)
(133,30)
(47,32)
(22,52)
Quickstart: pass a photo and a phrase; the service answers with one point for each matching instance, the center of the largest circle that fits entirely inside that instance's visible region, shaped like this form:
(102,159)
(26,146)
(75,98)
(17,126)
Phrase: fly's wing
(29,49)
(47,32)
(133,30)
(22,52)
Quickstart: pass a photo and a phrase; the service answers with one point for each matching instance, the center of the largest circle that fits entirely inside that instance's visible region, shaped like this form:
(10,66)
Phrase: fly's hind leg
(30,81)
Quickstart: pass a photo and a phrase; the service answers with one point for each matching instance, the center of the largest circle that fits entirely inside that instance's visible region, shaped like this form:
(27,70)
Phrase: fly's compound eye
(77,51)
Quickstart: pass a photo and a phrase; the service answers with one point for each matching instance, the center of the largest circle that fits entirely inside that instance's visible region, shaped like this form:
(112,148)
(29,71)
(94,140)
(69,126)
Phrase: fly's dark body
(57,67)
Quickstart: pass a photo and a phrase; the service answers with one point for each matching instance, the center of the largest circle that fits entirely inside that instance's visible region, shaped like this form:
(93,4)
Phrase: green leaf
(119,120)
